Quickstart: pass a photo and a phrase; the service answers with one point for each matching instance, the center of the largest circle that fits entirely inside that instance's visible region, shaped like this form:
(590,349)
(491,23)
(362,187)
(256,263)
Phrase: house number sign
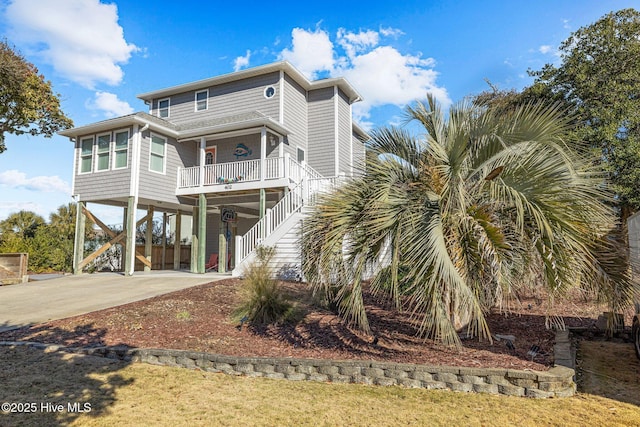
(228,215)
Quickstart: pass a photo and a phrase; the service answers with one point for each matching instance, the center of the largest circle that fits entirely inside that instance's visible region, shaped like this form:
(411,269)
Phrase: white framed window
(300,155)
(103,152)
(202,97)
(121,149)
(163,108)
(86,155)
(157,154)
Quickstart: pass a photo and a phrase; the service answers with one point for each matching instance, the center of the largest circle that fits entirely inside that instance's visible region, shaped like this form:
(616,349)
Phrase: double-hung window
(201,100)
(103,152)
(86,154)
(157,154)
(163,108)
(120,149)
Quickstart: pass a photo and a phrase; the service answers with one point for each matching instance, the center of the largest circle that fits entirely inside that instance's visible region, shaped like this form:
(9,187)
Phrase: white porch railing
(299,171)
(274,168)
(314,187)
(245,171)
(290,203)
(304,194)
(188,177)
(224,173)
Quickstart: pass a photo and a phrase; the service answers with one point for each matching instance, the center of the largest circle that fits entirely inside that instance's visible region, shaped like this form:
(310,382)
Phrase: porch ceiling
(247,201)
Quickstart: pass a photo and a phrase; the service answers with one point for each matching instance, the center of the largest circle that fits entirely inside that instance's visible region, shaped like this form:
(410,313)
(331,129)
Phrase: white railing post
(306,193)
(238,249)
(263,151)
(286,165)
(203,146)
(268,222)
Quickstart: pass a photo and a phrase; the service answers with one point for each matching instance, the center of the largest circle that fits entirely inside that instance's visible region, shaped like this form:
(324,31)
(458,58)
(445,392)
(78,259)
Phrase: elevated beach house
(240,154)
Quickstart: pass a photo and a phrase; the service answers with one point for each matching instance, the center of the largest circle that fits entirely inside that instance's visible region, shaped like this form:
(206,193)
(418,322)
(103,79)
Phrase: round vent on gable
(269,92)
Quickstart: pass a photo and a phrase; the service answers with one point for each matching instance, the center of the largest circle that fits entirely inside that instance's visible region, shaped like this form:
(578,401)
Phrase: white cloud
(80,38)
(48,184)
(381,73)
(8,208)
(109,104)
(242,61)
(354,43)
(385,76)
(544,49)
(391,32)
(312,52)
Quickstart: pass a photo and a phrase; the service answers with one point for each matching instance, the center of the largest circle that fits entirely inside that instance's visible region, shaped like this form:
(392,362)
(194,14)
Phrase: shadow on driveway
(609,369)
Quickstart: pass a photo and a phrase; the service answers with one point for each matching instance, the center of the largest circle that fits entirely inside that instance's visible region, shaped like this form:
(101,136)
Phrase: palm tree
(478,207)
(23,224)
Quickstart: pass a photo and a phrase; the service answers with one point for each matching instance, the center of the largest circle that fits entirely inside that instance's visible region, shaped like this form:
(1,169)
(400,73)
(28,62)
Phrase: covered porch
(242,175)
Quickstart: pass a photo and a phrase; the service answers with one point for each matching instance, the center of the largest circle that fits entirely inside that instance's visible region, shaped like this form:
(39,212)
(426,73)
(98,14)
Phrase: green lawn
(138,394)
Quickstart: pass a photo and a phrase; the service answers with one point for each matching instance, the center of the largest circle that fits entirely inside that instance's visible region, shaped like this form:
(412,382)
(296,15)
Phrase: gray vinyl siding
(227,146)
(100,185)
(158,186)
(295,116)
(321,151)
(358,155)
(272,151)
(344,134)
(225,99)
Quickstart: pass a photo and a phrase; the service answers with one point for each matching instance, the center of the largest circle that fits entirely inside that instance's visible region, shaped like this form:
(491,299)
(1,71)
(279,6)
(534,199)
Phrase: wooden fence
(13,268)
(156,257)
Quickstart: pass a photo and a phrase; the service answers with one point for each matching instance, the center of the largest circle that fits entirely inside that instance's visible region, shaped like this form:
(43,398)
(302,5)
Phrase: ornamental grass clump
(262,301)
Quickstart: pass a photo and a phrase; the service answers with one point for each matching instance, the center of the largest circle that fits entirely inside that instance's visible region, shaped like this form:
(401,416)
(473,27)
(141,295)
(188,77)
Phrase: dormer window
(201,100)
(163,108)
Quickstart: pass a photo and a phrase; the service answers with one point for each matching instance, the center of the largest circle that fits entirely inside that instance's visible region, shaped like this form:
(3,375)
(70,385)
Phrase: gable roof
(285,66)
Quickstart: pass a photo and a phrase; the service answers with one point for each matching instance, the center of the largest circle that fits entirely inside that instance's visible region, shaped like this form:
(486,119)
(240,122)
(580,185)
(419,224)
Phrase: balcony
(243,175)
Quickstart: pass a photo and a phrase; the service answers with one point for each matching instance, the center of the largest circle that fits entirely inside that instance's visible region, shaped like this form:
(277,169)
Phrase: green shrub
(262,299)
(183,315)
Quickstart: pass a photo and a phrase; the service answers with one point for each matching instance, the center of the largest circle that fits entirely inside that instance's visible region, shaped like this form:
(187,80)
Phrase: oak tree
(27,102)
(599,79)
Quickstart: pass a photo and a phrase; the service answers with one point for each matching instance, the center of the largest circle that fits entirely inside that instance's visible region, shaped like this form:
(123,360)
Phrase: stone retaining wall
(556,382)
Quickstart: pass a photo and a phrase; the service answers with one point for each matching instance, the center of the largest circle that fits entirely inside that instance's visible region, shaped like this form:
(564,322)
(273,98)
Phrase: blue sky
(100,55)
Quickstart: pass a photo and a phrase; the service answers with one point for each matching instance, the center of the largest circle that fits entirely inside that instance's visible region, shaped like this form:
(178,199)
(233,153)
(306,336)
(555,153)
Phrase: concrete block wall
(556,382)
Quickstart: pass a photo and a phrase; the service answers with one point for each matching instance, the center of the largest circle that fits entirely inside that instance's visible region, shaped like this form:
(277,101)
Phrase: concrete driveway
(44,300)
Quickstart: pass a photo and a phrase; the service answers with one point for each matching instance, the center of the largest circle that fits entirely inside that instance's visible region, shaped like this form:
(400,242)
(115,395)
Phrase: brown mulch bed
(198,319)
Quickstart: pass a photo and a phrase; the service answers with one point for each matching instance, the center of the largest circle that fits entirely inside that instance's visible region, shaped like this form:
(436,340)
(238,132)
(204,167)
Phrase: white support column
(177,244)
(78,244)
(281,100)
(203,146)
(336,130)
(132,208)
(350,140)
(263,152)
